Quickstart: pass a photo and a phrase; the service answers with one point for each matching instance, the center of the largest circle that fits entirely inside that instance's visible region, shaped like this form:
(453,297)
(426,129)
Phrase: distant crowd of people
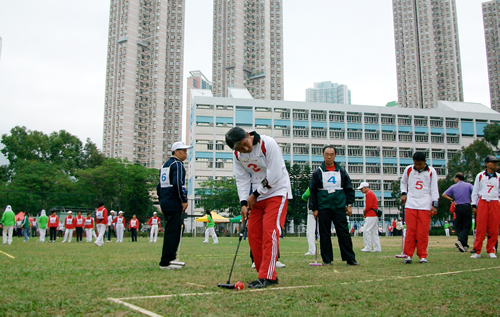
(78,226)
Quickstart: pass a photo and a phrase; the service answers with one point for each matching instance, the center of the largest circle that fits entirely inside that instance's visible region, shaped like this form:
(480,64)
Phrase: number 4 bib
(331,181)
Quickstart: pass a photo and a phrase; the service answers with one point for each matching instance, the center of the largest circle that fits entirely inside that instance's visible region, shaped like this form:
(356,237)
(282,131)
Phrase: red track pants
(487,220)
(417,231)
(264,231)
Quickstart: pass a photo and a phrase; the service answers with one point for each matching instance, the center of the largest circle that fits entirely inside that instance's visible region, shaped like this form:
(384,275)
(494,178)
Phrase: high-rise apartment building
(491,18)
(329,92)
(427,52)
(196,81)
(248,48)
(143,103)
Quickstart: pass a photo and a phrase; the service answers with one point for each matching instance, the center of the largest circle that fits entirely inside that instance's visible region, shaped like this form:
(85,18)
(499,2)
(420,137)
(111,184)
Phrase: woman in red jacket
(133,226)
(53,224)
(69,224)
(79,226)
(89,227)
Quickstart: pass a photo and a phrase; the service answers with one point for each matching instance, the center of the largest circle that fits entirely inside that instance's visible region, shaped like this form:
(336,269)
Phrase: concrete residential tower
(427,52)
(143,104)
(248,48)
(491,18)
(329,92)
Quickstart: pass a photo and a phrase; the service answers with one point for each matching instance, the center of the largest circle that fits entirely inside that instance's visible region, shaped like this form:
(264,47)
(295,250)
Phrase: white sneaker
(175,262)
(366,250)
(171,267)
(408,259)
(475,256)
(492,255)
(203,241)
(423,260)
(253,265)
(309,253)
(377,251)
(280,265)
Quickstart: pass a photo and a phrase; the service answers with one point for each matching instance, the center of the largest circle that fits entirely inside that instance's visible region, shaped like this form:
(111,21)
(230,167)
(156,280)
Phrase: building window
(372,135)
(388,136)
(438,154)
(355,151)
(436,122)
(404,120)
(405,137)
(405,153)
(452,153)
(337,134)
(390,169)
(300,132)
(280,131)
(354,134)
(389,152)
(317,149)
(355,168)
(299,114)
(353,117)
(318,133)
(318,115)
(337,116)
(300,148)
(371,118)
(437,138)
(372,151)
(421,137)
(452,139)
(452,123)
(285,148)
(372,168)
(420,121)
(388,119)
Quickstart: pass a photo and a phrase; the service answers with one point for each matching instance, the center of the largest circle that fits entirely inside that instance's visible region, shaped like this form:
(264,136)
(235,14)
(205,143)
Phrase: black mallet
(228,283)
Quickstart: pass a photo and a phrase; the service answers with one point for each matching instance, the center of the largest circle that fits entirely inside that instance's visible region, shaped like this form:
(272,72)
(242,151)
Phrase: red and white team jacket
(485,187)
(154,221)
(89,223)
(53,222)
(263,170)
(69,222)
(79,221)
(101,215)
(421,187)
(119,220)
(133,223)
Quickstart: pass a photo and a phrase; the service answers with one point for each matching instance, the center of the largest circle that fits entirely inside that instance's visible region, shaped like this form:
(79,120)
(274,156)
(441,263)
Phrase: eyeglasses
(329,155)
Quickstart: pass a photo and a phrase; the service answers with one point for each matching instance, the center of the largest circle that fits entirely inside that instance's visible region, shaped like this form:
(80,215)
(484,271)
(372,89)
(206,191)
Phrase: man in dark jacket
(331,198)
(173,202)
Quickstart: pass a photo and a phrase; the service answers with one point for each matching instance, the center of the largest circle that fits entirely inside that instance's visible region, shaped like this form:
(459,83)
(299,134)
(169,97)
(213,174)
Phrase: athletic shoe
(473,251)
(309,253)
(466,248)
(492,255)
(171,267)
(475,256)
(203,241)
(327,263)
(366,250)
(408,260)
(423,260)
(262,283)
(253,265)
(460,247)
(280,265)
(352,262)
(377,251)
(178,263)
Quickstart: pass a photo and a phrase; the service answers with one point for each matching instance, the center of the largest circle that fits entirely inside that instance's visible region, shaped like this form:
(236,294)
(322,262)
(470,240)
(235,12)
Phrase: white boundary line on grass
(136,308)
(10,256)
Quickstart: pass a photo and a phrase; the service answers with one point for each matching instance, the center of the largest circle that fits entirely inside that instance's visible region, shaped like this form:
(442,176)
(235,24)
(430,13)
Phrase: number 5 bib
(332,181)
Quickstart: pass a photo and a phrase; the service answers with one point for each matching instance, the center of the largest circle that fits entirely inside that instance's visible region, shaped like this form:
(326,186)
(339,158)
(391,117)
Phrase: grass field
(77,279)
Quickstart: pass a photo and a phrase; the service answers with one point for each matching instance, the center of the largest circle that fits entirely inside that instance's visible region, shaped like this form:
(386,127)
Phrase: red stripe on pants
(264,230)
(417,231)
(487,220)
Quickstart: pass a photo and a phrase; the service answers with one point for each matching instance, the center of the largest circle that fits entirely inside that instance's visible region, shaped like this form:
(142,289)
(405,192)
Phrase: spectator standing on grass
(394,231)
(119,223)
(460,196)
(79,226)
(389,229)
(89,227)
(419,195)
(210,229)
(486,207)
(42,225)
(173,202)
(370,233)
(331,199)
(133,226)
(25,224)
(53,225)
(447,228)
(101,220)
(311,226)
(111,226)
(19,228)
(8,222)
(61,228)
(33,225)
(155,224)
(264,188)
(399,227)
(69,225)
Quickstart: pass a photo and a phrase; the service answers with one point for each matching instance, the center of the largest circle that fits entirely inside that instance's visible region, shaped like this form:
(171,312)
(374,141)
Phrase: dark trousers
(79,234)
(338,216)
(53,233)
(463,223)
(111,229)
(133,234)
(171,237)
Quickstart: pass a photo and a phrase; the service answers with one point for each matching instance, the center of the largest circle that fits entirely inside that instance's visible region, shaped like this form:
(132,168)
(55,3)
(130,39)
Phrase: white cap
(154,213)
(363,184)
(112,211)
(70,212)
(120,212)
(180,146)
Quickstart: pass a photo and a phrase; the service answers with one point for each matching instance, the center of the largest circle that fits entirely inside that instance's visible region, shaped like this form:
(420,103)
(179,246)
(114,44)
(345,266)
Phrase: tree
(25,145)
(219,195)
(469,161)
(492,134)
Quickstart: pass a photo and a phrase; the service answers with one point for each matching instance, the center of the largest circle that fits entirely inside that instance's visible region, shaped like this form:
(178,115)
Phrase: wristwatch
(349,205)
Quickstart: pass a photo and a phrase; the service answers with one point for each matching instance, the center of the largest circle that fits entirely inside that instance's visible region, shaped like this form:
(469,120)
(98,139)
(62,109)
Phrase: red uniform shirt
(53,221)
(371,203)
(133,223)
(154,221)
(119,220)
(101,215)
(89,223)
(79,221)
(69,222)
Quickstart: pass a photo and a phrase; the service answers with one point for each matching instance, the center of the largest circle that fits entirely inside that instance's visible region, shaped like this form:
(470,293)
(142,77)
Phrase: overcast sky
(53,59)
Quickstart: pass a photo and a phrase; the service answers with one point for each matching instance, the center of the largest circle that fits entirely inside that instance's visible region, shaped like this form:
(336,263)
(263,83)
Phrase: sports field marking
(419,276)
(136,308)
(10,256)
(193,284)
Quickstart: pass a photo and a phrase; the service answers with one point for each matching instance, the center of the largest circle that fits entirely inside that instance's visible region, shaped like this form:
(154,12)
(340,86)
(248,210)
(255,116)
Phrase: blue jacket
(172,197)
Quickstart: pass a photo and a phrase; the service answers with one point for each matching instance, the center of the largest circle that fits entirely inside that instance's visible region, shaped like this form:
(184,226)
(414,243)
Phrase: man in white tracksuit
(311,226)
(119,226)
(370,231)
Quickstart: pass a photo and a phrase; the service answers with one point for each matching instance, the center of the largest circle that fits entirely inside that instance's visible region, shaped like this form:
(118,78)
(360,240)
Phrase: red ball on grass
(239,286)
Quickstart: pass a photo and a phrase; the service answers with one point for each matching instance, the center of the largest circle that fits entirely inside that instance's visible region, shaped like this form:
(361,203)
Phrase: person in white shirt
(111,225)
(419,195)
(486,207)
(119,223)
